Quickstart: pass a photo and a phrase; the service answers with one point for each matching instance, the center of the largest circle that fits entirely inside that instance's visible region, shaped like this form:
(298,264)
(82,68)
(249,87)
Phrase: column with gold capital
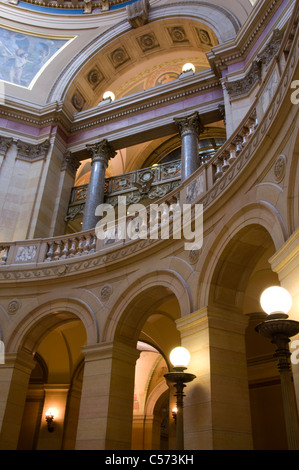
(189,128)
(102,152)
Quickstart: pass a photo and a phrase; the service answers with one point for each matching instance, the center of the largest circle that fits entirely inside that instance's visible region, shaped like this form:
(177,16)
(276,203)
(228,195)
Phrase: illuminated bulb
(276,300)
(188,67)
(50,413)
(179,357)
(108,94)
(174,410)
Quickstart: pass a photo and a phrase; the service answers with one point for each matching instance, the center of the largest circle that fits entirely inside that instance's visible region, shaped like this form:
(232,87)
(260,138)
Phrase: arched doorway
(240,276)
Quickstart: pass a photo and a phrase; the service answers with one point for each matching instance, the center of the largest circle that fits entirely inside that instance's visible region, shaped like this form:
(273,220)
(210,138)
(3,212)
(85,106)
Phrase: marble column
(102,152)
(189,128)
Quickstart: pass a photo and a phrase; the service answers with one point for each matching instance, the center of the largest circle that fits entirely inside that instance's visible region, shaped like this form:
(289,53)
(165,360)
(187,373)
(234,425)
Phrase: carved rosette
(280,168)
(106,292)
(13,306)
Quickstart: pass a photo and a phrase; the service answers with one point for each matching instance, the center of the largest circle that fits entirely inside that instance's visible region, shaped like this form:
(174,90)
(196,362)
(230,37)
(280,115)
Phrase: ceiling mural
(23,56)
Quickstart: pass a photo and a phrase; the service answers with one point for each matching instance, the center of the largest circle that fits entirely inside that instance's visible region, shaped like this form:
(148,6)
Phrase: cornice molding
(220,57)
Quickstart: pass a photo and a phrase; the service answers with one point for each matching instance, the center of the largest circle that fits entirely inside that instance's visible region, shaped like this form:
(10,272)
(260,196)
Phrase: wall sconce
(50,419)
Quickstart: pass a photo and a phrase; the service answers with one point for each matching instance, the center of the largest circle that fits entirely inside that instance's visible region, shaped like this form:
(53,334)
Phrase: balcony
(141,186)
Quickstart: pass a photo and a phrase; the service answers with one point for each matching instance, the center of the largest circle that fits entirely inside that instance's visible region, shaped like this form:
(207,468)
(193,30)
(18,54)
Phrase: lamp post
(276,302)
(179,357)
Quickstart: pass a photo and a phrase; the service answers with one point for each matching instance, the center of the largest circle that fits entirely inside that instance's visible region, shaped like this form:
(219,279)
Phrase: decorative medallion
(204,37)
(106,291)
(119,57)
(78,100)
(178,34)
(280,168)
(13,306)
(148,42)
(194,255)
(95,77)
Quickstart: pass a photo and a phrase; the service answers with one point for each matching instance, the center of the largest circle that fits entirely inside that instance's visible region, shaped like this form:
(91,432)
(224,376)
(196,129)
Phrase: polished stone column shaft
(102,152)
(189,128)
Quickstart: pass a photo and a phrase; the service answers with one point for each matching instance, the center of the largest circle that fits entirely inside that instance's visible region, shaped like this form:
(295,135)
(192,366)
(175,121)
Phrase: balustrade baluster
(225,164)
(65,250)
(72,250)
(87,245)
(219,171)
(57,252)
(5,255)
(80,245)
(93,244)
(50,252)
(232,154)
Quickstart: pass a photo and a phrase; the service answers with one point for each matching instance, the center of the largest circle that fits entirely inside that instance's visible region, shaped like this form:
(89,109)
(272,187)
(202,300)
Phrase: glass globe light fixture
(109,95)
(179,357)
(188,67)
(275,300)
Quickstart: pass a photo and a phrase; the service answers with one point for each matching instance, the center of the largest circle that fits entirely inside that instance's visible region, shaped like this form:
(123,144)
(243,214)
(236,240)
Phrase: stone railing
(148,183)
(204,186)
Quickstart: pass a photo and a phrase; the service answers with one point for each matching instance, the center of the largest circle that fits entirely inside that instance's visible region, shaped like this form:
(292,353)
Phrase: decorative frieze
(32,152)
(26,253)
(244,86)
(271,48)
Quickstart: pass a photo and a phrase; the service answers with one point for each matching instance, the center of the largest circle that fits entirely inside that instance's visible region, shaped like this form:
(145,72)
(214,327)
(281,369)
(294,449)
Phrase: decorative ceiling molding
(221,56)
(244,86)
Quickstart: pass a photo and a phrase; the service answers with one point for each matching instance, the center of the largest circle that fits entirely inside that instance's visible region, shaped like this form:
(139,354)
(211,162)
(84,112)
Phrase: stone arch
(261,218)
(211,15)
(40,321)
(125,321)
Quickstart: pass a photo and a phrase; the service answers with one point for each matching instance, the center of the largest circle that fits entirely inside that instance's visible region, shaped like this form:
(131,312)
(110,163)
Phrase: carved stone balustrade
(230,153)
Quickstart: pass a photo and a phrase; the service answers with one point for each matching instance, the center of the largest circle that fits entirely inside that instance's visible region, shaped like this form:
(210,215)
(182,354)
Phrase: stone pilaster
(14,379)
(102,152)
(106,409)
(189,129)
(216,406)
(5,143)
